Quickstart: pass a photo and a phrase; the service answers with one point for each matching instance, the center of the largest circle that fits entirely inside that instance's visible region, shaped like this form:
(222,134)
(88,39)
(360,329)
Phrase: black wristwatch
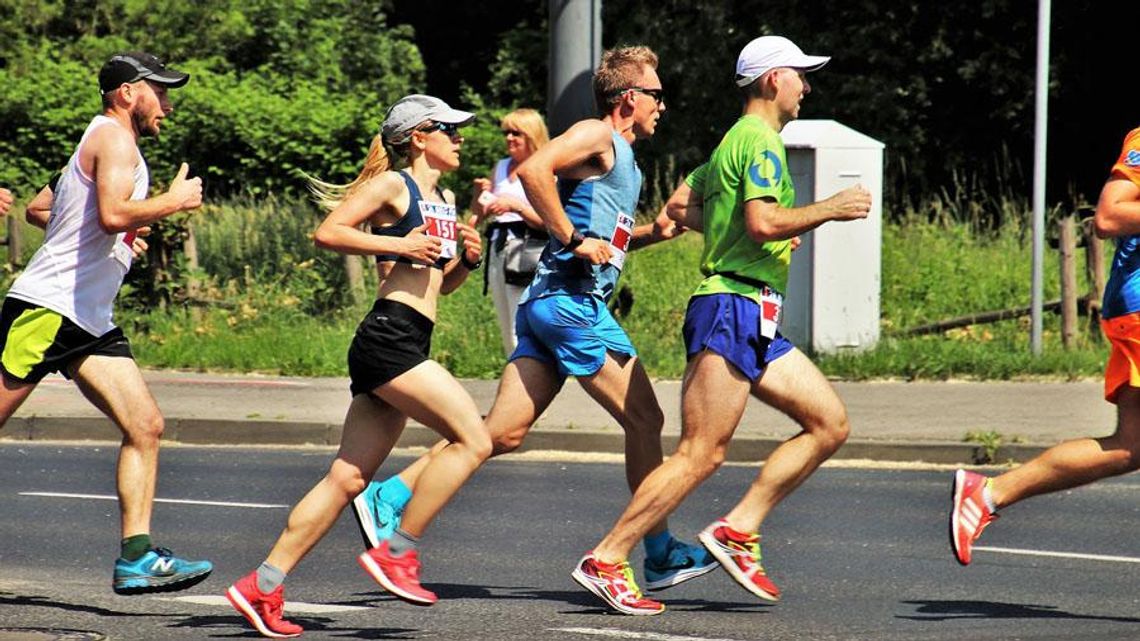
(575,239)
(471,266)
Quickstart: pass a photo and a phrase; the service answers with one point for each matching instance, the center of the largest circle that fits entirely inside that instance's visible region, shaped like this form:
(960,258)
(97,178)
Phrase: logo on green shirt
(766,181)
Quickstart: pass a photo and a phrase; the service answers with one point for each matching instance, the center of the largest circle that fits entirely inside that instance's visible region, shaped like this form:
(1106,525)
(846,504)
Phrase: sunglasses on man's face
(658,95)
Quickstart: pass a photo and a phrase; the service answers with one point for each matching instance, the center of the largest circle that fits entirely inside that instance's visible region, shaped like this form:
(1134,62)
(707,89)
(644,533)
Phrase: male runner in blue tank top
(564,328)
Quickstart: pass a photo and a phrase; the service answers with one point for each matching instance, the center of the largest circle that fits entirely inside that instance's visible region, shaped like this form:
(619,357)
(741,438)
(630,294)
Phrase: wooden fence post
(354,272)
(1094,264)
(15,242)
(1068,247)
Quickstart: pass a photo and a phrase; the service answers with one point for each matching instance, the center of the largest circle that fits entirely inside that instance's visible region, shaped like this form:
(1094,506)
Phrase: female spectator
(516,233)
(419,256)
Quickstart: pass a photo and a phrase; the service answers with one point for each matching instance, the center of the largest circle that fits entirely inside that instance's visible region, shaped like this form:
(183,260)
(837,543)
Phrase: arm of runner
(113,161)
(457,270)
(38,210)
(662,228)
(341,231)
(765,220)
(585,140)
(1118,210)
(686,205)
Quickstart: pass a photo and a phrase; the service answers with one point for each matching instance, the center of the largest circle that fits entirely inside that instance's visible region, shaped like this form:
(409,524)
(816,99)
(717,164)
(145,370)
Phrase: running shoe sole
(679,578)
(151,585)
(246,610)
(585,581)
(714,547)
(364,520)
(377,573)
(956,501)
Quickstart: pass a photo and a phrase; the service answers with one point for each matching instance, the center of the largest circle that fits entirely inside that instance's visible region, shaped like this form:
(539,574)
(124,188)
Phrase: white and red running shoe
(614,584)
(739,554)
(399,575)
(969,514)
(263,611)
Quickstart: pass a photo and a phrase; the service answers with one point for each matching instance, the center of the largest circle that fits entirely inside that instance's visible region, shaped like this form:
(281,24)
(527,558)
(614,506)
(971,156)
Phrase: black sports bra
(412,218)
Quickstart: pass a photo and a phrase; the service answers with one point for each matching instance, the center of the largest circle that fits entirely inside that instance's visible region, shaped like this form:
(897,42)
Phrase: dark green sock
(133,547)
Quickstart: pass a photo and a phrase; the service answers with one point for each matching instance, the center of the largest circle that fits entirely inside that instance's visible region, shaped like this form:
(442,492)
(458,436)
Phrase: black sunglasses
(449,129)
(658,95)
(512,132)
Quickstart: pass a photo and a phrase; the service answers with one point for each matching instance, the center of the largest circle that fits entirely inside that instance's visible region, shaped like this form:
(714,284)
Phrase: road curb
(194,431)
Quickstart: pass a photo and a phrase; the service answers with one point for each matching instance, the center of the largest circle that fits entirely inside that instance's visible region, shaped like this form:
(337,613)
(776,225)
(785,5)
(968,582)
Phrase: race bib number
(440,219)
(121,252)
(771,310)
(619,243)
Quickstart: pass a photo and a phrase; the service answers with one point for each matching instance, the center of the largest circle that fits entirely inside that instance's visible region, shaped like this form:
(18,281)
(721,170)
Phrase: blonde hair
(620,69)
(330,195)
(530,123)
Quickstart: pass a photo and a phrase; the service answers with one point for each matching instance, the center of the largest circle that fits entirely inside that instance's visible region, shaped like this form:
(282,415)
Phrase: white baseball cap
(770,52)
(410,111)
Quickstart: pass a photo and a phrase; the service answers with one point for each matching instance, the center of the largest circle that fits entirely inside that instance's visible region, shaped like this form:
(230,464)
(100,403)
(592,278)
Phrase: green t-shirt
(749,163)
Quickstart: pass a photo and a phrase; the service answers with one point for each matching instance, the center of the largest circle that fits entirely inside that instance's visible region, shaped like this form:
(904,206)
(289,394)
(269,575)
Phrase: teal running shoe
(681,563)
(377,518)
(158,571)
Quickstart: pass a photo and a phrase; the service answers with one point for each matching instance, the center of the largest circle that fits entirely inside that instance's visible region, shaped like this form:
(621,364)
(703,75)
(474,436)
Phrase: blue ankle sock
(657,545)
(395,492)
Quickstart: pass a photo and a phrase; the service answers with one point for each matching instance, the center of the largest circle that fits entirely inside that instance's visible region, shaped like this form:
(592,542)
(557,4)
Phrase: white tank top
(79,268)
(502,184)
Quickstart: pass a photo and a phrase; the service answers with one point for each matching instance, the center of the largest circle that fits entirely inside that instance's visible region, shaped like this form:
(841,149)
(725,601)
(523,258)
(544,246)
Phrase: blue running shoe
(158,571)
(683,562)
(377,518)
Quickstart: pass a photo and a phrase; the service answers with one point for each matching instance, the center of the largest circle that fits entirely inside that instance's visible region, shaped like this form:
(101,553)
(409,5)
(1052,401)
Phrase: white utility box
(832,301)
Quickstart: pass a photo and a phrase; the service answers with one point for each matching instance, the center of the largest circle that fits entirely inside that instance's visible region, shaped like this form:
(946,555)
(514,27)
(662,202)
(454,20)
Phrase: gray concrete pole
(1040,137)
(575,49)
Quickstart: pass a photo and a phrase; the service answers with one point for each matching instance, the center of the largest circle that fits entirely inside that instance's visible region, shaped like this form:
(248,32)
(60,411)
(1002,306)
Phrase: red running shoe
(263,611)
(969,514)
(614,584)
(399,575)
(739,554)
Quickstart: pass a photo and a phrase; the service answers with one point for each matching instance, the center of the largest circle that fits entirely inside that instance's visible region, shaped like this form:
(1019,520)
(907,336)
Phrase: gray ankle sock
(402,543)
(268,578)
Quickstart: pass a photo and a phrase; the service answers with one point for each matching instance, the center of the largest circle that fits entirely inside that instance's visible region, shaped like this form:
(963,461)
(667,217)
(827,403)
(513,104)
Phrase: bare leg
(429,394)
(713,397)
(796,387)
(371,429)
(116,386)
(1077,462)
(12,396)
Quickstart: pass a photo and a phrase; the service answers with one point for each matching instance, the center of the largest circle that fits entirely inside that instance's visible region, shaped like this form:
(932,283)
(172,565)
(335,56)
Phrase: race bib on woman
(440,219)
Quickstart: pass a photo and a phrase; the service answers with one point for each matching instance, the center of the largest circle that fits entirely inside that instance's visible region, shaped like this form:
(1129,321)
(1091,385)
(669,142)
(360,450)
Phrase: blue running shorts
(729,325)
(572,332)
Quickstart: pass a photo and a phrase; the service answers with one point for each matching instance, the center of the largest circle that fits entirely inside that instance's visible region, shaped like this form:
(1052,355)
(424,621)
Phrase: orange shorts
(1123,333)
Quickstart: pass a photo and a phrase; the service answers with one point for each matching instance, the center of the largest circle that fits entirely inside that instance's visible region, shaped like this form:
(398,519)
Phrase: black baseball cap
(136,65)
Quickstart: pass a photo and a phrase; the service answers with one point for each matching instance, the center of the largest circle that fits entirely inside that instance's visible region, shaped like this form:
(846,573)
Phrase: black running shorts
(392,339)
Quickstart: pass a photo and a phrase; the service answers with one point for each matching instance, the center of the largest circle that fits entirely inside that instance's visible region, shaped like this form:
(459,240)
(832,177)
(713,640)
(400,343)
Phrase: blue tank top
(413,218)
(599,207)
(1122,292)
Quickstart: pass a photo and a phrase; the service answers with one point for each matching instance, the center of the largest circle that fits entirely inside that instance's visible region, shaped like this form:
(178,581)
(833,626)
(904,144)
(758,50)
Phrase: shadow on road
(952,610)
(9,599)
(235,627)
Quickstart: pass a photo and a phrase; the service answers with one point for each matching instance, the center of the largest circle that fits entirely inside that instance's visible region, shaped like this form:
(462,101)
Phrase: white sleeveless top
(79,268)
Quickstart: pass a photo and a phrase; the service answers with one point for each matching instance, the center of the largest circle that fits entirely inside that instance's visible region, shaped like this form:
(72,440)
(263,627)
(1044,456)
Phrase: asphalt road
(860,554)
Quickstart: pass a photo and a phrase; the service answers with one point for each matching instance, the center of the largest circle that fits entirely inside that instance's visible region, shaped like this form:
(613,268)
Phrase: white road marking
(291,607)
(108,497)
(1065,555)
(632,634)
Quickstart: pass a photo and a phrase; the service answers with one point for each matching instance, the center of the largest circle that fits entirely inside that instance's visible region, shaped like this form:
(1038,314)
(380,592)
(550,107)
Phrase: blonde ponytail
(329,196)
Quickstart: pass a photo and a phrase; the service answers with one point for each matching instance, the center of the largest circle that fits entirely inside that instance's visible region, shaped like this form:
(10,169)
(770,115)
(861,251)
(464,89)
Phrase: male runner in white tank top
(57,315)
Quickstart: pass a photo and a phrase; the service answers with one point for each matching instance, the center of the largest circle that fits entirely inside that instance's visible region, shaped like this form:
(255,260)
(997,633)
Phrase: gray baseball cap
(411,111)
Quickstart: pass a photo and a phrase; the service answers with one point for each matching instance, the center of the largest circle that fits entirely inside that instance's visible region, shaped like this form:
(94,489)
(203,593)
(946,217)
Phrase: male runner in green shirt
(743,200)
